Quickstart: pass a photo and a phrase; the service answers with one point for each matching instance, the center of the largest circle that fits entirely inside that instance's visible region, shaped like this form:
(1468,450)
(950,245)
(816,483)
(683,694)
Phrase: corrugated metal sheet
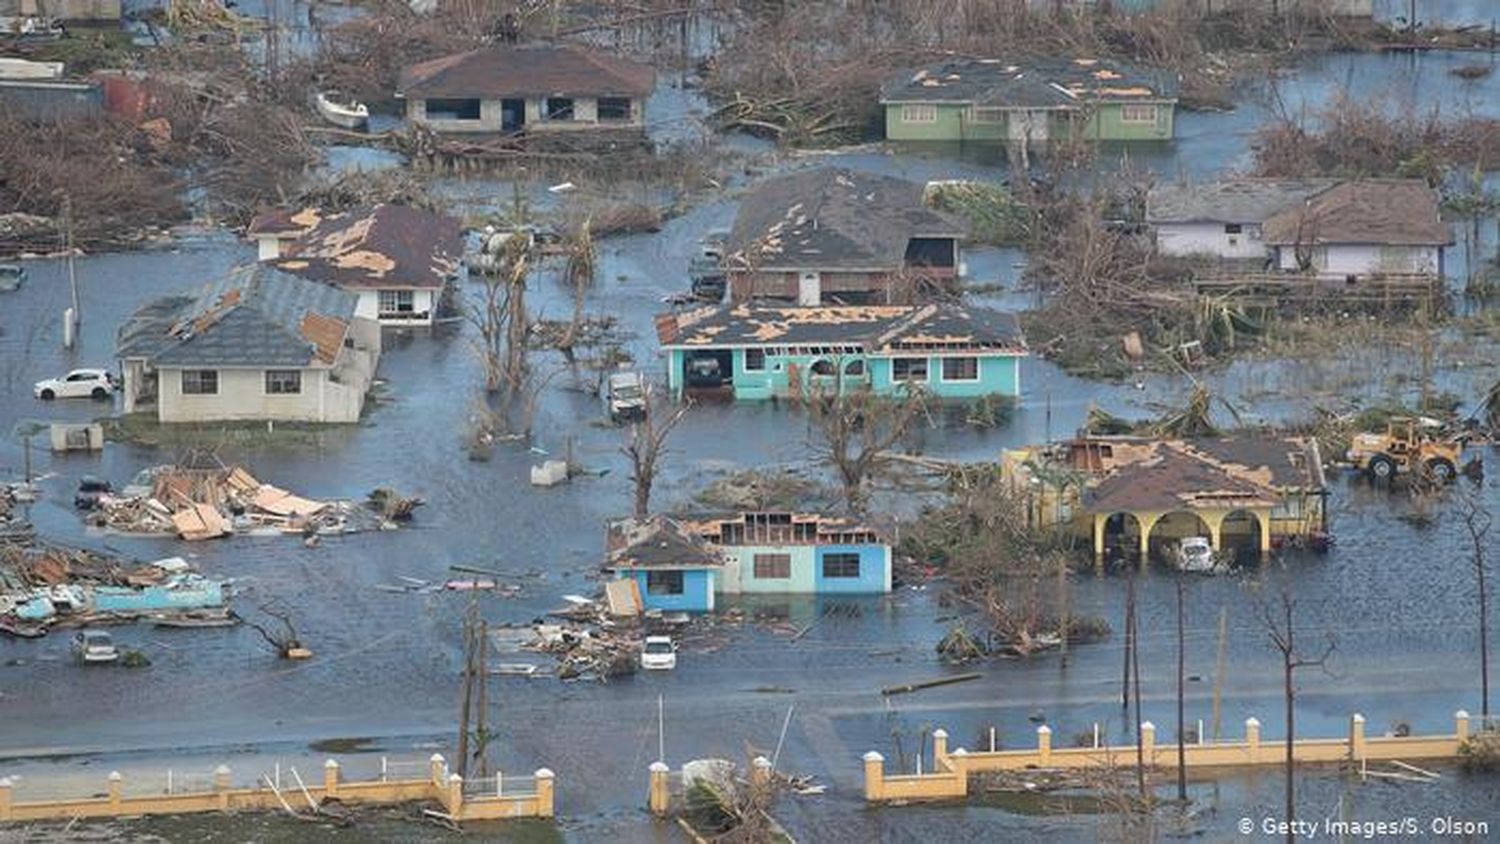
(46,101)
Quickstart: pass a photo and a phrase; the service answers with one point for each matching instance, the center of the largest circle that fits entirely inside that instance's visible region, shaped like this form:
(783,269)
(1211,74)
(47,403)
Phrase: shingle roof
(254,316)
(1240,470)
(387,246)
(832,219)
(878,328)
(658,542)
(1401,212)
(1228,201)
(535,70)
(1048,83)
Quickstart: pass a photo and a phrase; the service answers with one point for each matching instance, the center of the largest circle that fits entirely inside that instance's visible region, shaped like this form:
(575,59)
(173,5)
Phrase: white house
(396,259)
(256,344)
(1222,219)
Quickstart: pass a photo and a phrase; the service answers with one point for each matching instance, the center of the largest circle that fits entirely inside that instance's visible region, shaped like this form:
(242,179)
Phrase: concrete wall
(424,303)
(1210,239)
(65,10)
(739,570)
(698,587)
(998,373)
(874,571)
(1363,259)
(585,117)
(957,123)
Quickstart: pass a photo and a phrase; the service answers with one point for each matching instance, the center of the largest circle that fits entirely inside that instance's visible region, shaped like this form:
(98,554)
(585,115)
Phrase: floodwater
(1395,595)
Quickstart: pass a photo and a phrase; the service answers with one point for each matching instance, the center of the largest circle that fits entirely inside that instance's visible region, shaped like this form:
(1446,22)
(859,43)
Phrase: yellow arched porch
(1212,518)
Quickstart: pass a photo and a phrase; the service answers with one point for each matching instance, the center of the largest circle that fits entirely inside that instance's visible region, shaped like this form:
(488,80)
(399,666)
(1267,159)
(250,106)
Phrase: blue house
(755,352)
(681,563)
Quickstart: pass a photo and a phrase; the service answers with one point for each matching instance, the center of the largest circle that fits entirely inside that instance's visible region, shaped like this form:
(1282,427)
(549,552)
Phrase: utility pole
(1181,660)
(1129,634)
(1135,659)
(1220,666)
(482,731)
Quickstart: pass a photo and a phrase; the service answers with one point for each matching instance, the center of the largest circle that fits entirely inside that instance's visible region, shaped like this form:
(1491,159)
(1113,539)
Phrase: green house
(993,100)
(755,353)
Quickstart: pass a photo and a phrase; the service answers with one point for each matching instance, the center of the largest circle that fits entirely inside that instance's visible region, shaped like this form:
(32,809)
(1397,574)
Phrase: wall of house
(1107,124)
(489,118)
(1210,239)
(423,303)
(242,396)
(874,570)
(68,10)
(1364,258)
(739,570)
(585,116)
(698,586)
(785,285)
(954,123)
(997,374)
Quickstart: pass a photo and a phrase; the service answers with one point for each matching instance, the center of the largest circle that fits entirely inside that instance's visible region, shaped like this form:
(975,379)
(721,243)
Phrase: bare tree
(855,429)
(579,274)
(1279,622)
(1477,522)
(646,444)
(500,317)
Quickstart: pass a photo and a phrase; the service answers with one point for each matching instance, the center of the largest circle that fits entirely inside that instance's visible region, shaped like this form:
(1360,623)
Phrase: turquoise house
(755,353)
(682,563)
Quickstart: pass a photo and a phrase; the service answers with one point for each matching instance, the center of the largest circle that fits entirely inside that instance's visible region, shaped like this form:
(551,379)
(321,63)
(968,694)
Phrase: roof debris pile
(13,526)
(206,501)
(50,586)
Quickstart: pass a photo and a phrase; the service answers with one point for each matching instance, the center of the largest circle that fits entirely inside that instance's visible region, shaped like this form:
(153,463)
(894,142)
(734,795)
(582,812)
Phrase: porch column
(1099,537)
(1214,520)
(1147,522)
(1263,518)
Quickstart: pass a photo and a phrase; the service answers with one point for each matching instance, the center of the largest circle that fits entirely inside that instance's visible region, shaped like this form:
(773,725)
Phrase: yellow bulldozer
(1409,444)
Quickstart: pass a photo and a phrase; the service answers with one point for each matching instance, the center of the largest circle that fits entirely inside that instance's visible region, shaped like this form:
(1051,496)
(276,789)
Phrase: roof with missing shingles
(832,219)
(1229,200)
(254,316)
(1396,212)
(1208,473)
(539,70)
(658,542)
(879,329)
(384,246)
(1046,83)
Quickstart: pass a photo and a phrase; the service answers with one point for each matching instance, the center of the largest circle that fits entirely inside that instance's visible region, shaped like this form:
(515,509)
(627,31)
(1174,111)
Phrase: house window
(755,360)
(283,382)
(396,302)
(614,108)
(909,369)
(960,369)
(855,369)
(989,115)
(841,565)
(918,113)
(559,108)
(824,367)
(453,109)
(664,582)
(1233,228)
(200,382)
(1138,113)
(773,566)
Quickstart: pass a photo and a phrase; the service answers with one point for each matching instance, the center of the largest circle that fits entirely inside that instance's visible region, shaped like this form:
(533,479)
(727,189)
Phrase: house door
(512,115)
(809,289)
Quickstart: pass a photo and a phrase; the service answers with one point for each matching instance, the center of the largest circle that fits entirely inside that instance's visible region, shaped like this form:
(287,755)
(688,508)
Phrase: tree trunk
(1288,664)
(1181,660)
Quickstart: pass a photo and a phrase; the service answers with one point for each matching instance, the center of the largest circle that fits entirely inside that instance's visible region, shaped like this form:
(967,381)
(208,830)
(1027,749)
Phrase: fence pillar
(874,776)
(1461,725)
(760,772)
(455,799)
(545,793)
(1252,739)
(1356,737)
(659,795)
(939,747)
(223,781)
(116,791)
(6,798)
(1044,745)
(1148,743)
(331,778)
(435,766)
(960,761)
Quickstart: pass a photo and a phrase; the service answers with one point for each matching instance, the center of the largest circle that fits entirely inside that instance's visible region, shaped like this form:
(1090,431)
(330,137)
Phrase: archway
(1117,536)
(1240,535)
(1172,528)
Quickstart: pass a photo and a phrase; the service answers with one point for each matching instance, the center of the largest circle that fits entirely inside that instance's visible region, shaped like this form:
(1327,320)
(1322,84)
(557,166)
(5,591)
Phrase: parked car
(659,654)
(80,383)
(625,395)
(92,647)
(1196,553)
(90,490)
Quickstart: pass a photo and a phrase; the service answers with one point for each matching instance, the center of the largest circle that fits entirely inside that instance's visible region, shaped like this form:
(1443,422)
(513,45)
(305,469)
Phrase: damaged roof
(1229,200)
(658,542)
(832,219)
(385,246)
(880,329)
(1046,83)
(1397,212)
(770,527)
(1237,471)
(505,70)
(255,316)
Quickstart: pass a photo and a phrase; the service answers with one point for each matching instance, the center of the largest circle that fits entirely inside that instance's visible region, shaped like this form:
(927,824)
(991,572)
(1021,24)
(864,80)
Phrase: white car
(1196,553)
(659,654)
(94,646)
(80,383)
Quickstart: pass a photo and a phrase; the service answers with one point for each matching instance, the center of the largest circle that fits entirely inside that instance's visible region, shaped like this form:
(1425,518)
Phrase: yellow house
(1132,496)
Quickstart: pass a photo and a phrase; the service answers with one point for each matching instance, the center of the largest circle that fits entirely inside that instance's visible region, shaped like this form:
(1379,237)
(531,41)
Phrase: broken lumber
(928,684)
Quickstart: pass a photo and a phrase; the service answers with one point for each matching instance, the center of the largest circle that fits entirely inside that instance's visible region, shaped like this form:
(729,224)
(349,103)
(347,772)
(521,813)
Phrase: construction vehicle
(1409,444)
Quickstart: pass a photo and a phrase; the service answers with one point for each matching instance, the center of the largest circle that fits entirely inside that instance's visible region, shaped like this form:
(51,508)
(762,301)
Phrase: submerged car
(659,654)
(90,491)
(93,647)
(80,383)
(1196,553)
(625,394)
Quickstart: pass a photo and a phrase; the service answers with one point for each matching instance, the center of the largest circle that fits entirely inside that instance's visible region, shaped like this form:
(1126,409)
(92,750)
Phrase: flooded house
(835,236)
(397,260)
(682,563)
(505,88)
(1024,100)
(256,344)
(1138,497)
(38,91)
(755,353)
(1327,227)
